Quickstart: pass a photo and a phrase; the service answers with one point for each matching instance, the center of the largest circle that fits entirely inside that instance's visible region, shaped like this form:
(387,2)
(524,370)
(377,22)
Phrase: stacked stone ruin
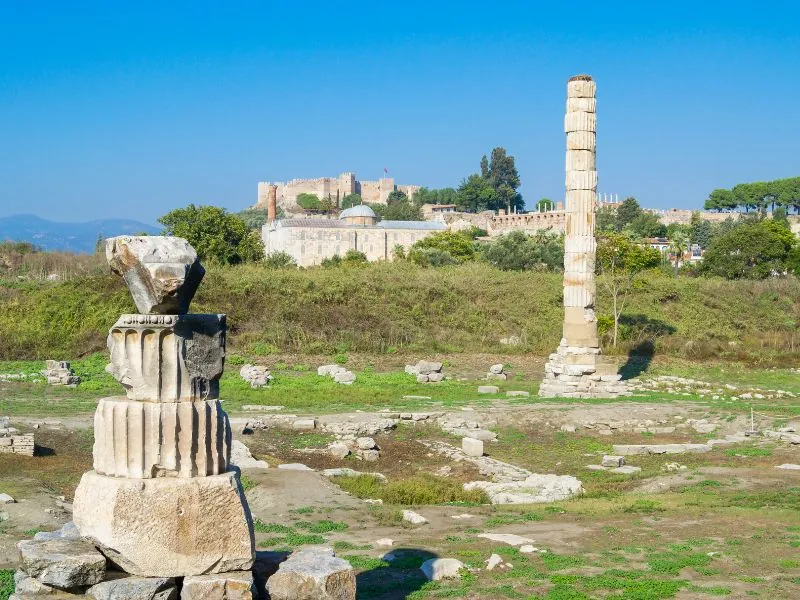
(577,369)
(59,372)
(14,442)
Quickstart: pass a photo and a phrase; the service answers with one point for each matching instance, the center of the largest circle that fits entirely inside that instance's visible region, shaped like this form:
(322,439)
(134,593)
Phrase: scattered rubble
(59,372)
(497,372)
(256,375)
(426,371)
(338,373)
(534,489)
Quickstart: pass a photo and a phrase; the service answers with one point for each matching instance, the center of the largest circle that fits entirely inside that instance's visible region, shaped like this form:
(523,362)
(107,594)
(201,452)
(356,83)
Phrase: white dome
(360,210)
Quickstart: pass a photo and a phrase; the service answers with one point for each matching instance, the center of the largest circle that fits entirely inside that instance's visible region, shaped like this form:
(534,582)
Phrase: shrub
(517,251)
(279,260)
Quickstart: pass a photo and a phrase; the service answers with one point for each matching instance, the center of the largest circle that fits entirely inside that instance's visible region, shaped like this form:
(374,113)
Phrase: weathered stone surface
(242,458)
(236,585)
(6,499)
(612,461)
(64,564)
(25,586)
(488,389)
(162,273)
(168,358)
(304,424)
(426,367)
(518,394)
(345,376)
(535,488)
(67,532)
(472,447)
(414,518)
(496,369)
(264,567)
(156,439)
(338,450)
(435,377)
(59,372)
(256,375)
(167,527)
(134,588)
(506,538)
(313,574)
(788,467)
(436,569)
(626,470)
(634,449)
(365,443)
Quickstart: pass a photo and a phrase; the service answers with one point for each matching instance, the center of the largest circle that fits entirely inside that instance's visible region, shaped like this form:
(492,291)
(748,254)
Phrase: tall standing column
(576,369)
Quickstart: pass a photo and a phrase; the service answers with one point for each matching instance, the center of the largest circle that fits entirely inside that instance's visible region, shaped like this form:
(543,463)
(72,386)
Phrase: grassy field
(384,309)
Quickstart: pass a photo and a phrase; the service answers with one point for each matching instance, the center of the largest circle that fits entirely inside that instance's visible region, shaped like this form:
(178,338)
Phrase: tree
(254,218)
(215,234)
(754,249)
(309,202)
(484,167)
(545,205)
(605,218)
(700,231)
(475,194)
(648,225)
(517,251)
(619,262)
(720,200)
(627,211)
(678,244)
(279,260)
(442,196)
(350,200)
(398,208)
(455,245)
(504,178)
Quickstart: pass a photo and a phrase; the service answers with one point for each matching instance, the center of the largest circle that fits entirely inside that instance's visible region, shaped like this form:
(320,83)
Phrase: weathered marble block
(168,358)
(167,527)
(161,439)
(162,273)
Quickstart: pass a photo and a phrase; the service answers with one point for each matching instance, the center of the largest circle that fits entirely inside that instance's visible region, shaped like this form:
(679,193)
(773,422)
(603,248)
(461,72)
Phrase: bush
(751,250)
(279,260)
(308,202)
(452,248)
(517,251)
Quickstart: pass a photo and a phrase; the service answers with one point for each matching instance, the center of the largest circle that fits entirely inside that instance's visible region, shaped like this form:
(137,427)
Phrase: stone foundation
(580,372)
(169,526)
(17,444)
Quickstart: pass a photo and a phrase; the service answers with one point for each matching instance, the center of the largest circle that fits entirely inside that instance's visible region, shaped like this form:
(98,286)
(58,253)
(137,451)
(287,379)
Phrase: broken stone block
(365,443)
(64,564)
(511,539)
(435,377)
(626,470)
(162,273)
(168,526)
(344,376)
(518,394)
(414,518)
(313,574)
(612,461)
(496,369)
(168,358)
(132,587)
(426,367)
(242,458)
(436,569)
(304,424)
(472,447)
(488,389)
(422,378)
(369,455)
(339,450)
(236,585)
(257,376)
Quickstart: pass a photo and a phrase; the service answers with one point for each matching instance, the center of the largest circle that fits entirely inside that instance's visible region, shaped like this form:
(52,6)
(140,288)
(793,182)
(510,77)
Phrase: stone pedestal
(576,369)
(168,526)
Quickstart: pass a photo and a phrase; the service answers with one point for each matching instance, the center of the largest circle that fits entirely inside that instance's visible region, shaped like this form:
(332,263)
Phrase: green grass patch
(261,527)
(671,562)
(413,491)
(509,518)
(6,583)
(292,540)
(748,451)
(324,526)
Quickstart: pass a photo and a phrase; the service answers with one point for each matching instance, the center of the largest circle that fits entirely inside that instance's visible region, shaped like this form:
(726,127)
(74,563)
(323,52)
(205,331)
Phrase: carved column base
(160,439)
(580,372)
(167,527)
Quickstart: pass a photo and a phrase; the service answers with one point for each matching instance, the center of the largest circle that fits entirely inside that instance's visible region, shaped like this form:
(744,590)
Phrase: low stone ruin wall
(17,444)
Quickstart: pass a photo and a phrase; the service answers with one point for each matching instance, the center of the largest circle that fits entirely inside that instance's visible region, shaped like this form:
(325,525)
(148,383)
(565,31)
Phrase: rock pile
(59,372)
(364,448)
(313,574)
(497,372)
(534,489)
(426,371)
(256,375)
(338,373)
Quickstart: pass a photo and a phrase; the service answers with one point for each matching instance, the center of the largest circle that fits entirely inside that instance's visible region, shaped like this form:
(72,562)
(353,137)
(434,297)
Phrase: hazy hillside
(73,237)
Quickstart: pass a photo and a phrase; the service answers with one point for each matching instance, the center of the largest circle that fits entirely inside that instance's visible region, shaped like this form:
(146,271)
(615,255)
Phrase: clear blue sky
(112,109)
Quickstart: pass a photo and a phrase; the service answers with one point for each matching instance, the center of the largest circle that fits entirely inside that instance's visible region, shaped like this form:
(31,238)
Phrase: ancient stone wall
(17,444)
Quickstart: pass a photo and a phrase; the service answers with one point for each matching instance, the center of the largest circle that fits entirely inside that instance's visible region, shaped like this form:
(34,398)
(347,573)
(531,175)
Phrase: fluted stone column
(576,368)
(162,500)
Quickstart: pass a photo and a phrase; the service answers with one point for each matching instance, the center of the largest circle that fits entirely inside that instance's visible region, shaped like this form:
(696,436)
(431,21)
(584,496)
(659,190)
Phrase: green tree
(605,218)
(678,244)
(619,263)
(350,200)
(720,200)
(442,196)
(700,231)
(254,218)
(215,234)
(517,251)
(398,208)
(457,246)
(627,211)
(476,194)
(279,260)
(309,202)
(396,196)
(753,249)
(648,225)
(545,205)
(504,178)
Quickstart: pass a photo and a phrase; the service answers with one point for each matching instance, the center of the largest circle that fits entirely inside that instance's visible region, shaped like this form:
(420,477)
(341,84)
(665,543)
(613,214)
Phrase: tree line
(757,196)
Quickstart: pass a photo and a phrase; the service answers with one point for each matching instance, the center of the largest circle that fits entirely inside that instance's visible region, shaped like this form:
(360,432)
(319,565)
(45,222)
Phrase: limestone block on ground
(64,564)
(511,539)
(496,376)
(472,447)
(414,518)
(421,378)
(344,376)
(153,439)
(426,367)
(435,377)
(436,569)
(496,369)
(313,574)
(168,358)
(264,567)
(67,532)
(236,585)
(612,461)
(162,273)
(488,389)
(134,588)
(634,449)
(788,467)
(534,489)
(256,375)
(329,370)
(365,443)
(6,499)
(626,470)
(242,458)
(304,424)
(167,527)
(518,394)
(338,450)
(26,586)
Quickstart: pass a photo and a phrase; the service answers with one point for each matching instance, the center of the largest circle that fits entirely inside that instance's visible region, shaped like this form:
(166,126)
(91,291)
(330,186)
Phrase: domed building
(310,241)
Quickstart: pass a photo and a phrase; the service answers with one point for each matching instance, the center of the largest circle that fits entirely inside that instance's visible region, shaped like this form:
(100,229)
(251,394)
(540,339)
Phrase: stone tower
(576,369)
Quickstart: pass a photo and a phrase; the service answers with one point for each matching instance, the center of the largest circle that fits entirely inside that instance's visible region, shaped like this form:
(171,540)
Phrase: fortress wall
(529,222)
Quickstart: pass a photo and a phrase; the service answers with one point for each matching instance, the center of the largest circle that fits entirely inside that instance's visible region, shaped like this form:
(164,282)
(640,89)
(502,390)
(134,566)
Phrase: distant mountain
(72,237)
